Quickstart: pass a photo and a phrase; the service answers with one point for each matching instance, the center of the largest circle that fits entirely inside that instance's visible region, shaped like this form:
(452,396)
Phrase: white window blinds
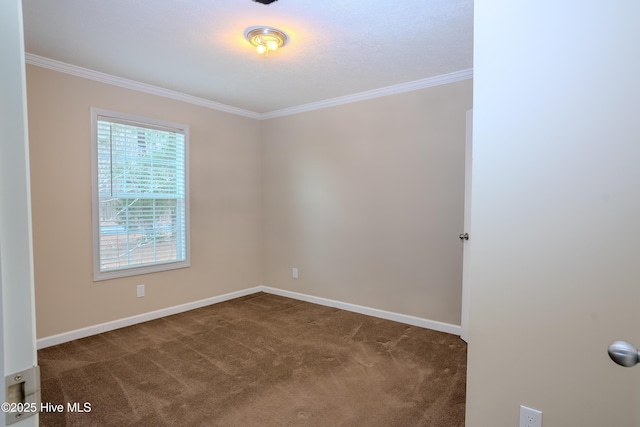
(142,195)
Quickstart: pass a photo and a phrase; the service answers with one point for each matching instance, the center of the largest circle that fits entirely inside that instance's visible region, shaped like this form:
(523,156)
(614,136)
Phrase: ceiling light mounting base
(266,39)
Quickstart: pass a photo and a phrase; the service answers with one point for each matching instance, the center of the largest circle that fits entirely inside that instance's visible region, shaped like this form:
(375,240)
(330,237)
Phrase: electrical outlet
(530,417)
(140,290)
(294,272)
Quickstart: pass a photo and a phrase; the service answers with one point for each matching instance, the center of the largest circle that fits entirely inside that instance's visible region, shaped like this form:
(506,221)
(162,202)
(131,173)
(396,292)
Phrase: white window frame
(134,270)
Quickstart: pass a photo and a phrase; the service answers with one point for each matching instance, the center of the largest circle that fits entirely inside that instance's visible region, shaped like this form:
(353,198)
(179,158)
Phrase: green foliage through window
(141,194)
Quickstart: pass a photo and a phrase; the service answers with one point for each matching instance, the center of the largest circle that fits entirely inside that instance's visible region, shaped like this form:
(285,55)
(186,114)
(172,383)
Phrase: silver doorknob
(624,354)
(464,236)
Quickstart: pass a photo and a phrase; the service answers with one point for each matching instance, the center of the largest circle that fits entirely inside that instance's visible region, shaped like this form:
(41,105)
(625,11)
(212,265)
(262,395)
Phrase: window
(140,195)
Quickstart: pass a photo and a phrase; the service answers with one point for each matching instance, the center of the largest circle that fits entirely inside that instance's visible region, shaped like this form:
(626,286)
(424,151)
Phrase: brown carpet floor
(260,360)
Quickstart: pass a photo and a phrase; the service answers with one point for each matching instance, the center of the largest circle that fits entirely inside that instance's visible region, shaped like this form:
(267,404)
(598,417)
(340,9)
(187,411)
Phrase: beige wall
(225,204)
(366,200)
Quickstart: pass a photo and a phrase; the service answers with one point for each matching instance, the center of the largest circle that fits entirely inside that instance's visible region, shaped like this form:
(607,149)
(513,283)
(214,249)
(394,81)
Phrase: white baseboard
(128,321)
(396,317)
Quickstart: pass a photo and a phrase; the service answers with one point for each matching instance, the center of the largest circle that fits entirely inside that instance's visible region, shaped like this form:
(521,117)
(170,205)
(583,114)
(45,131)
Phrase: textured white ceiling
(336,47)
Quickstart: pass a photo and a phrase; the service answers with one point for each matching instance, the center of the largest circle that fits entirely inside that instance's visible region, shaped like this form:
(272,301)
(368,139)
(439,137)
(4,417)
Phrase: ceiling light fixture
(266,39)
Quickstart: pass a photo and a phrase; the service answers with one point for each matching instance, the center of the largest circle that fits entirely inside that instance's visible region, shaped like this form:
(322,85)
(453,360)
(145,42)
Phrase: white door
(17,331)
(466,251)
(556,203)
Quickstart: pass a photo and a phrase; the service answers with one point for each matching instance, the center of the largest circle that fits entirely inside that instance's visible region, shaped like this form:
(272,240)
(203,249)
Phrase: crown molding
(375,93)
(86,73)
